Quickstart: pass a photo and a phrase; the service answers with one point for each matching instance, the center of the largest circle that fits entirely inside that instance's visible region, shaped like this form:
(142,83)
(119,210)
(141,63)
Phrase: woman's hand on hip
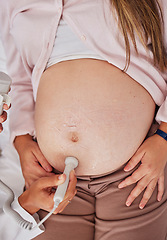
(33,163)
(41,192)
(152,156)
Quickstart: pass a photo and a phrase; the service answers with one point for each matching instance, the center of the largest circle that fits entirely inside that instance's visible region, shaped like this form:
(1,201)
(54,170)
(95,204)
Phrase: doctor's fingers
(70,193)
(3,117)
(33,176)
(71,190)
(50,182)
(65,202)
(1,128)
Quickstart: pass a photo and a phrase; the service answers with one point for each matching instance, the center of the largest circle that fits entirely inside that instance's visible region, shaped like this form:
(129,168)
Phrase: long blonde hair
(143,17)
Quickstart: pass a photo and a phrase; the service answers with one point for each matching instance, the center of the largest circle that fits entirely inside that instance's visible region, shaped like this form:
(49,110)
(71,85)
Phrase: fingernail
(48,169)
(159,199)
(141,206)
(60,176)
(121,185)
(126,169)
(128,203)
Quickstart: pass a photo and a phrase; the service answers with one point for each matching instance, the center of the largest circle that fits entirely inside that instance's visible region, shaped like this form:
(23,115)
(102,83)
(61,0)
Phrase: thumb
(136,158)
(51,181)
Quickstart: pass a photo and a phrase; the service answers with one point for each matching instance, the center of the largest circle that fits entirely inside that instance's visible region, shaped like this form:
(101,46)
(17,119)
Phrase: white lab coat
(10,174)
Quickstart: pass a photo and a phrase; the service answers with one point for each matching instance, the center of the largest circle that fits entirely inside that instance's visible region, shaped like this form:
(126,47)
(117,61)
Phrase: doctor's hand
(40,194)
(33,163)
(152,156)
(3,117)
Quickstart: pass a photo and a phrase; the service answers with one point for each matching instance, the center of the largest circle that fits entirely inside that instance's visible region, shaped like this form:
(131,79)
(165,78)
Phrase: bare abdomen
(93,111)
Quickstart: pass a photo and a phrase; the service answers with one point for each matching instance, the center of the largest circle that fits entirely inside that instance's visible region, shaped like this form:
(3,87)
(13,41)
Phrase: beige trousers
(98,212)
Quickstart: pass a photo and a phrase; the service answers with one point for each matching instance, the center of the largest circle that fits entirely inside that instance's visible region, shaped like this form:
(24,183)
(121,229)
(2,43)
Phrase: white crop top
(68,46)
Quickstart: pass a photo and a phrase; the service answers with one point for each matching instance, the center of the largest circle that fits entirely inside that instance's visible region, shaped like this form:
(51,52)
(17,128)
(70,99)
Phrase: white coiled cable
(8,209)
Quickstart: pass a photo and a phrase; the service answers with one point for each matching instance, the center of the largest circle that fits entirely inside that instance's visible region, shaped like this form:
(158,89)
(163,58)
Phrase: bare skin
(93,111)
(40,194)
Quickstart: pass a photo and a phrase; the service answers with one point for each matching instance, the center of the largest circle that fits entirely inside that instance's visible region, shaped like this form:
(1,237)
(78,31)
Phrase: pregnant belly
(93,111)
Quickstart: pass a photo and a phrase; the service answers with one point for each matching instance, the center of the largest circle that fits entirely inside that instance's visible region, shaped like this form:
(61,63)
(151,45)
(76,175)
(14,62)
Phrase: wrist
(21,140)
(163,127)
(162,135)
(27,204)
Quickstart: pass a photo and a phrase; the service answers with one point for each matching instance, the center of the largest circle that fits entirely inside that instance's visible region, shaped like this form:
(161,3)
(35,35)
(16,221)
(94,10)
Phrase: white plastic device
(70,164)
(5,82)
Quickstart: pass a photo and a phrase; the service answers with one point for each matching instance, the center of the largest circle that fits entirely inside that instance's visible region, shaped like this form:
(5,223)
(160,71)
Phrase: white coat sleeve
(9,230)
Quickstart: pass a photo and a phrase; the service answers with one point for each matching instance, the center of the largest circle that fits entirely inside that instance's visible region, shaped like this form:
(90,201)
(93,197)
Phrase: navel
(73,136)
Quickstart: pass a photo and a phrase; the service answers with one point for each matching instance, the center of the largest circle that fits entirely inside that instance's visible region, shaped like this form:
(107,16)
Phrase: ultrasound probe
(70,164)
